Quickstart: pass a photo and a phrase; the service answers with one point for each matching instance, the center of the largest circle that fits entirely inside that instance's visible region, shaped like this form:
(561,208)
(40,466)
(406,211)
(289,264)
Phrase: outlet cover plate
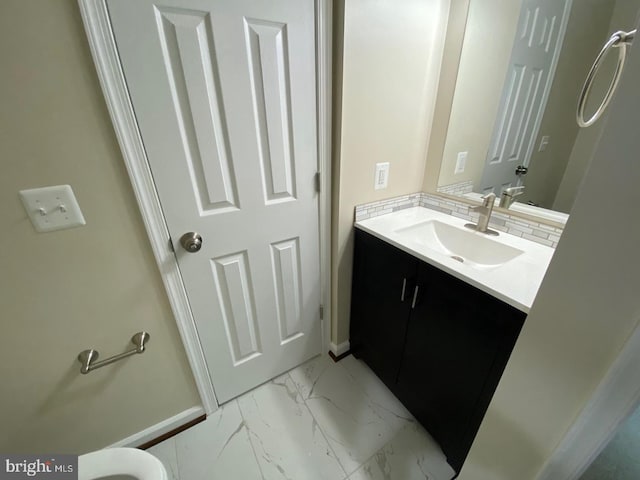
(52,208)
(461,162)
(382,176)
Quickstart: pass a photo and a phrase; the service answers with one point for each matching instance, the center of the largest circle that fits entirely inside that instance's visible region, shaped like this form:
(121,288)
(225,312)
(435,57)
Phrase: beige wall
(587,28)
(586,309)
(390,67)
(491,27)
(62,292)
(624,17)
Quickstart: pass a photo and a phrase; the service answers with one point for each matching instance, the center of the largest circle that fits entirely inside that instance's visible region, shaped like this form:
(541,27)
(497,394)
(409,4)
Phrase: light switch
(543,143)
(52,208)
(461,162)
(382,175)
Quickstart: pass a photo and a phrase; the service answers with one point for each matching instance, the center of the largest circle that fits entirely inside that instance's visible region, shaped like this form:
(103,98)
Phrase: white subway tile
(540,233)
(537,239)
(519,226)
(554,238)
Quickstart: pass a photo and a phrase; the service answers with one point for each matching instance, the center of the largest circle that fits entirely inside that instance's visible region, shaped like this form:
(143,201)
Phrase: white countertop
(516,282)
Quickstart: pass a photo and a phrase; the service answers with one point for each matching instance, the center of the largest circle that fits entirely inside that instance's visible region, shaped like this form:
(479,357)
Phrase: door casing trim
(102,43)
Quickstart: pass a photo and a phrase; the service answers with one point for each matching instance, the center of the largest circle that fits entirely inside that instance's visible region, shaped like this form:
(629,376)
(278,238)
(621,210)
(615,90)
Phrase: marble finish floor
(322,420)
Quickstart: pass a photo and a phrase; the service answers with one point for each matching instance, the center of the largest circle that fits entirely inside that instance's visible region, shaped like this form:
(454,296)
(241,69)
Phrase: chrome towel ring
(619,40)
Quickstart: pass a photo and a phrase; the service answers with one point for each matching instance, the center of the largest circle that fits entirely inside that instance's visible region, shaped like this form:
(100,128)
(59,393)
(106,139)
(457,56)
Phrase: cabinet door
(458,342)
(379,309)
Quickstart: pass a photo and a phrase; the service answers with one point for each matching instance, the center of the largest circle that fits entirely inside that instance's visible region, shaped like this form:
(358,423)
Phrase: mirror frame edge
(505,211)
(454,40)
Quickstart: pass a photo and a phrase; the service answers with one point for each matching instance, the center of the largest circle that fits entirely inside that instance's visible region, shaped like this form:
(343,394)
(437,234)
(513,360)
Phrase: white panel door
(225,97)
(530,73)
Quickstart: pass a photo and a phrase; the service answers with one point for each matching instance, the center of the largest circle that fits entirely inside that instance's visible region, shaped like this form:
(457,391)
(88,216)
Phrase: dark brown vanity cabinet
(438,343)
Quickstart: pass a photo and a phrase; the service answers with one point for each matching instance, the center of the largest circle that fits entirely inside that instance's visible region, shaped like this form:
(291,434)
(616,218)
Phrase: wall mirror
(512,114)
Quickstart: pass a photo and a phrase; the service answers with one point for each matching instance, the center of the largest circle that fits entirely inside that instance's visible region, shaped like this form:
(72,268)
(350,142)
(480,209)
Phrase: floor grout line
(367,460)
(409,421)
(324,435)
(362,389)
(177,474)
(246,425)
(175,446)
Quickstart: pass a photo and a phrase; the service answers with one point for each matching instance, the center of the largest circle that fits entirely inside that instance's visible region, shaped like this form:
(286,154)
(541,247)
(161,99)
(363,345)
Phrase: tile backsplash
(520,227)
(370,210)
(457,188)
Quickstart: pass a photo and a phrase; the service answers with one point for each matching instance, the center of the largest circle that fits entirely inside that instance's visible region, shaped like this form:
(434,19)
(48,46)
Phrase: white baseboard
(155,431)
(338,350)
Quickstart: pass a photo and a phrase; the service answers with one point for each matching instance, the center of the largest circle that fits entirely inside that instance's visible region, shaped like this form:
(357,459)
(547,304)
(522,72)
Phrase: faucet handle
(513,191)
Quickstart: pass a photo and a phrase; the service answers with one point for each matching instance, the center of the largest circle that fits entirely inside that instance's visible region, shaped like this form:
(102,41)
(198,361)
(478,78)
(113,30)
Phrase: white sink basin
(508,267)
(466,246)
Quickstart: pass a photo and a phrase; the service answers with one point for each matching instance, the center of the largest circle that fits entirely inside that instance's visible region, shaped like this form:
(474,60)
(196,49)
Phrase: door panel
(267,44)
(235,294)
(187,49)
(286,272)
(224,95)
(529,74)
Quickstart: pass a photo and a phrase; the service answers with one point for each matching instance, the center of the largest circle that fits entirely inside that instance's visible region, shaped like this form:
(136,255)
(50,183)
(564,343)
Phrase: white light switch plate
(52,208)
(382,176)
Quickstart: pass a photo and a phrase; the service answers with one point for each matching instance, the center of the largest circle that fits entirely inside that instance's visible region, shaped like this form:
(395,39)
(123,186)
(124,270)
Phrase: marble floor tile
(428,452)
(306,375)
(386,402)
(286,438)
(355,425)
(410,455)
(166,452)
(389,463)
(219,447)
(322,420)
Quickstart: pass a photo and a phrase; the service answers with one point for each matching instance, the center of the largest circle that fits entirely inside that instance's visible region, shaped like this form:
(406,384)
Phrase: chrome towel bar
(88,357)
(620,40)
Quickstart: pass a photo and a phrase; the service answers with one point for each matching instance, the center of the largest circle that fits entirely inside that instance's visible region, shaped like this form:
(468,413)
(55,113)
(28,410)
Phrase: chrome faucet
(484,212)
(509,196)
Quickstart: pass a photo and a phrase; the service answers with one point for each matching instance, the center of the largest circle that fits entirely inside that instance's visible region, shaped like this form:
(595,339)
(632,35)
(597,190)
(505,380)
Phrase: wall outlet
(461,162)
(382,176)
(52,208)
(543,143)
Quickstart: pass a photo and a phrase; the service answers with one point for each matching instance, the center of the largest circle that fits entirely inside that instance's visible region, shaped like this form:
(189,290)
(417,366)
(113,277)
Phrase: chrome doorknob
(191,242)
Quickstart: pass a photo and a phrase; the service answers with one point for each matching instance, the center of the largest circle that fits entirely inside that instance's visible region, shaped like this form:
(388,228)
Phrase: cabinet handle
(404,286)
(415,297)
